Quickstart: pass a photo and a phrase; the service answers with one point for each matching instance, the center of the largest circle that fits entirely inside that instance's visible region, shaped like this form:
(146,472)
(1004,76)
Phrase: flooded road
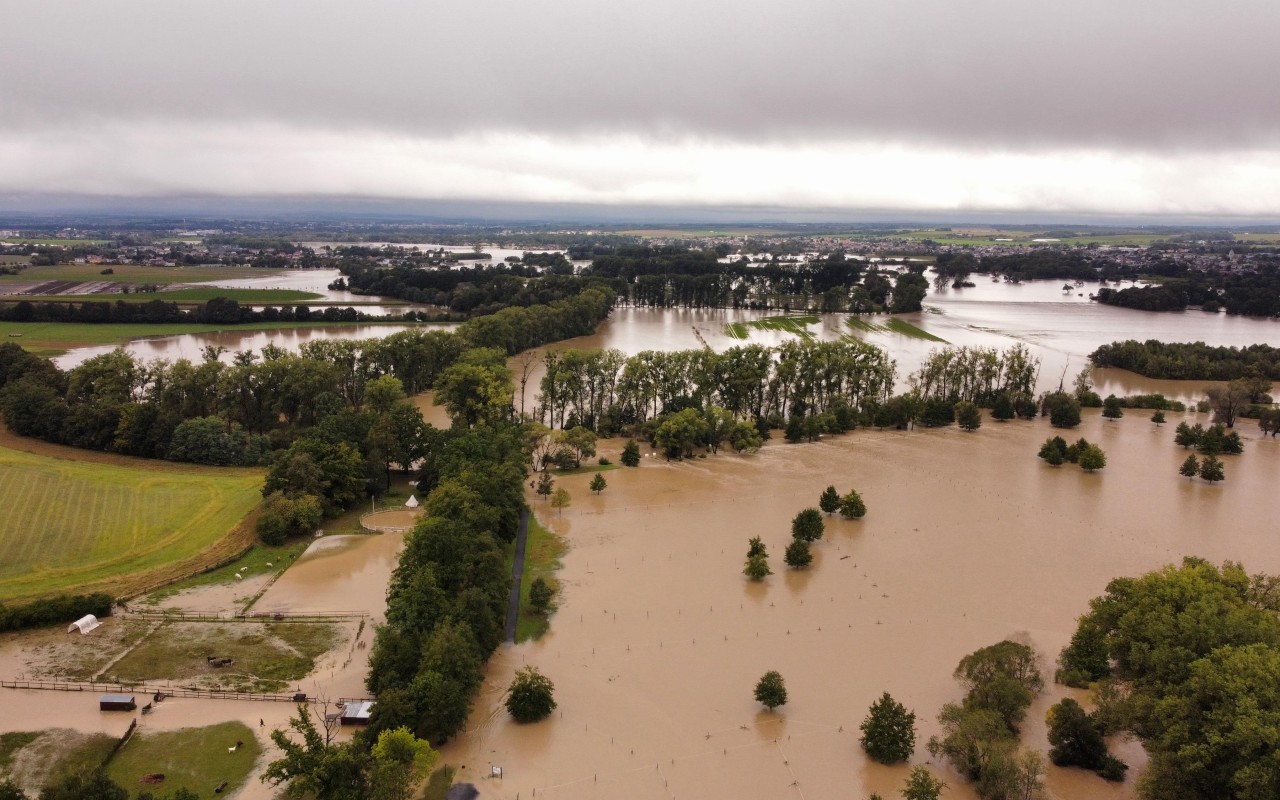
(969,539)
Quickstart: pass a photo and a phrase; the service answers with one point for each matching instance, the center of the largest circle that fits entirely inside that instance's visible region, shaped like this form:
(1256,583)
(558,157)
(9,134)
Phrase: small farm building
(85,624)
(117,702)
(356,713)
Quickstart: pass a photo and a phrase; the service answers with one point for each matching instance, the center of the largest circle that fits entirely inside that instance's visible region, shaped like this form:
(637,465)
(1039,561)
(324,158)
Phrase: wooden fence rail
(167,691)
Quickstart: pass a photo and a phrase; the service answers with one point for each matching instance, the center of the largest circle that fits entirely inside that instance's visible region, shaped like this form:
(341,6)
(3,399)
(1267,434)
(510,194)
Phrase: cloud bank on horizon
(1142,107)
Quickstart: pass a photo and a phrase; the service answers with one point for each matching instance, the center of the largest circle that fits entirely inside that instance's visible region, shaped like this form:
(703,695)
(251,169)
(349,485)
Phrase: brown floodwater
(337,573)
(969,539)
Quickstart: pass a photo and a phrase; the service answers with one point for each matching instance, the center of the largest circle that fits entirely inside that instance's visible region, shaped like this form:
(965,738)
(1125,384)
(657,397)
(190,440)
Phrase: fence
(167,691)
(121,742)
(249,616)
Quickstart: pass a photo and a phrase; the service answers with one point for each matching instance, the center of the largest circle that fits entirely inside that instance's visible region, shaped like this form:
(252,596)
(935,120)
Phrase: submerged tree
(797,554)
(631,454)
(851,505)
(889,731)
(1190,467)
(531,696)
(1211,469)
(771,690)
(807,525)
(757,567)
(598,483)
(829,502)
(968,417)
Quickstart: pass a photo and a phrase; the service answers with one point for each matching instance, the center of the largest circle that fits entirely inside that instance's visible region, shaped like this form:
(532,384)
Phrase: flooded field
(969,539)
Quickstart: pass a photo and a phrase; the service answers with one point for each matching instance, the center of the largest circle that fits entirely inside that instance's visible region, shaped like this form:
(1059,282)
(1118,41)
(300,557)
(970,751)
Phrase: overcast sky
(1076,106)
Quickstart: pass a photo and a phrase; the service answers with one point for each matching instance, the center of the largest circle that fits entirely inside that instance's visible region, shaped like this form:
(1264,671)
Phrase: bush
(540,594)
(631,454)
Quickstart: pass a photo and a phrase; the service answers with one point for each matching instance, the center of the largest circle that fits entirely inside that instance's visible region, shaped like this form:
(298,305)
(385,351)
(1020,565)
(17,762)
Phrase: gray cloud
(1135,74)
(1134,107)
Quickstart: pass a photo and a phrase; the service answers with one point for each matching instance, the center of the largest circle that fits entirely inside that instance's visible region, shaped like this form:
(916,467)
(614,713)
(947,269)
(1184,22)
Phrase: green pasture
(80,526)
(190,296)
(135,273)
(197,758)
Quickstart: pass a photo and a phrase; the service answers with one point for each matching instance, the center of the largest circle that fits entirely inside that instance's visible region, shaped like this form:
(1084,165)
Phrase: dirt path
(517,575)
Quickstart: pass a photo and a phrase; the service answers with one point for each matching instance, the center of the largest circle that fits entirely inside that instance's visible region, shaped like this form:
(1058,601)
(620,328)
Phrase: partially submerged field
(73,524)
(198,758)
(133,273)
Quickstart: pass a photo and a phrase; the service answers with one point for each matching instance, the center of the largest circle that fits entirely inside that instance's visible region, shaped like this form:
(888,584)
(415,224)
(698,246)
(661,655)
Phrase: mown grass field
(190,296)
(135,273)
(80,525)
(196,758)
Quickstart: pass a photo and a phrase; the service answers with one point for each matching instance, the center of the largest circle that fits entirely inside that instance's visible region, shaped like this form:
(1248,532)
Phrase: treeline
(665,277)
(217,311)
(1255,293)
(607,392)
(1189,360)
(477,290)
(447,598)
(1033,264)
(685,399)
(240,413)
(59,610)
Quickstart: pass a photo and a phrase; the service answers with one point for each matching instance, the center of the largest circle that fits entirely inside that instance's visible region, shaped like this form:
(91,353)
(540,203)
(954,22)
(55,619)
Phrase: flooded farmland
(659,639)
(969,539)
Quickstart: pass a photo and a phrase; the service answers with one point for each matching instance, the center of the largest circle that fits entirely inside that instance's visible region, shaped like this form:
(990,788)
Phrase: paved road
(517,575)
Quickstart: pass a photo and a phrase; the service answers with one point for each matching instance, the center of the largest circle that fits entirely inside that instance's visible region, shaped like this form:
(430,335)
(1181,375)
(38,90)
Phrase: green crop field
(135,273)
(72,525)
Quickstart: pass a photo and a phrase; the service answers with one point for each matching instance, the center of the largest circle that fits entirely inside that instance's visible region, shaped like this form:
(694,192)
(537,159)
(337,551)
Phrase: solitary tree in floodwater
(1190,468)
(771,690)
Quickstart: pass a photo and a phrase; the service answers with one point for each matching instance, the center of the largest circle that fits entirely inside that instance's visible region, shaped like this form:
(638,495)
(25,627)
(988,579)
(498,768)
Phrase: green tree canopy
(889,731)
(531,696)
(771,690)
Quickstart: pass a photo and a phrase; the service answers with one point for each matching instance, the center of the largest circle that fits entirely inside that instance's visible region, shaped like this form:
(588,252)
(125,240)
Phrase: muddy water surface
(969,539)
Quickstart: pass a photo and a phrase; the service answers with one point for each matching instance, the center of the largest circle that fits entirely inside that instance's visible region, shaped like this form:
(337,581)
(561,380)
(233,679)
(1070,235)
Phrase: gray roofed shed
(117,702)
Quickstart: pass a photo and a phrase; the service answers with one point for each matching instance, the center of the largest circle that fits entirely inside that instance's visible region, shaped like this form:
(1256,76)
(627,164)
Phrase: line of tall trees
(606,391)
